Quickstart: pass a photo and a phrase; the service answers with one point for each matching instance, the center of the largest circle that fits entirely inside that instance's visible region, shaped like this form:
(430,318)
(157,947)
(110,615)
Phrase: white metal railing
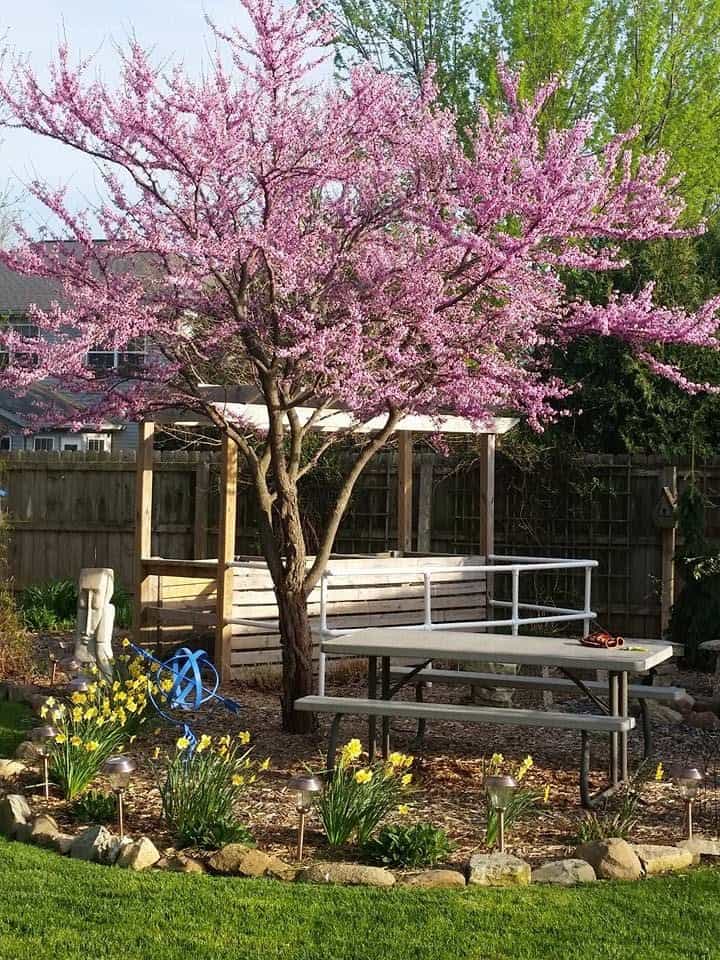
(513,566)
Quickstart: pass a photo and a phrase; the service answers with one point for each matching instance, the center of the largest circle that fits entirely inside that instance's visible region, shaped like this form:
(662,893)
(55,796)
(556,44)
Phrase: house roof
(19,411)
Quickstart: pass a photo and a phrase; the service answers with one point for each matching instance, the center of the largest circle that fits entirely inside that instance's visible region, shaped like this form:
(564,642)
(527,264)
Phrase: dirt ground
(448,773)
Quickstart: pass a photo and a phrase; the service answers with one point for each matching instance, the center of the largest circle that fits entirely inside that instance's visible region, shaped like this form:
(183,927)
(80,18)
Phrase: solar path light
(41,737)
(500,791)
(305,787)
(688,781)
(119,771)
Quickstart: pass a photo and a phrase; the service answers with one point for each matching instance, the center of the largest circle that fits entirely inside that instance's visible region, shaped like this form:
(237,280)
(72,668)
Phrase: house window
(44,443)
(70,446)
(6,442)
(131,357)
(98,444)
(18,356)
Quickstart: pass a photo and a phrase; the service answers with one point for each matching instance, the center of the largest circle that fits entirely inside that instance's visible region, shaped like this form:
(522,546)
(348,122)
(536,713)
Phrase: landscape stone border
(610,859)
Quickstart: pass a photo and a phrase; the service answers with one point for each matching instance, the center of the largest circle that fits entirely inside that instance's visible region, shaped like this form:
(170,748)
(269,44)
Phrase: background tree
(654,64)
(332,246)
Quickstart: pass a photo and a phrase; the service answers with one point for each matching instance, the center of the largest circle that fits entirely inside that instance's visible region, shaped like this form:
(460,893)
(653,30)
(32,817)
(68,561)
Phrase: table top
(568,652)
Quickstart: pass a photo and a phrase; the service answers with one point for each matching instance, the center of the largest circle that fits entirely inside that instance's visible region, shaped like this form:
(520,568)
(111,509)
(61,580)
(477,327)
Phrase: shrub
(525,800)
(94,725)
(358,797)
(16,649)
(94,806)
(419,845)
(202,787)
(53,605)
(619,815)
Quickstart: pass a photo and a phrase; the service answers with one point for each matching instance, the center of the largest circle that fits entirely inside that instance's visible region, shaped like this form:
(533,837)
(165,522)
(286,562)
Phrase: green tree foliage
(654,64)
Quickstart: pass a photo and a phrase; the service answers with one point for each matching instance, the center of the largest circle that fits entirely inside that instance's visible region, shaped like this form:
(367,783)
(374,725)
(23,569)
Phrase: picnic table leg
(624,708)
(372,695)
(614,705)
(385,693)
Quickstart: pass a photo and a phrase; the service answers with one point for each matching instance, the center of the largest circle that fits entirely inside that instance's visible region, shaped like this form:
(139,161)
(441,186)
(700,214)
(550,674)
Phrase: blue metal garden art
(195,681)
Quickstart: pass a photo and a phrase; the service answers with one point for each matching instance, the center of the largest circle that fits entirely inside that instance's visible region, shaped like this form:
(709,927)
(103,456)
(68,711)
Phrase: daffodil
(238,780)
(125,642)
(91,746)
(76,741)
(659,772)
(496,759)
(546,793)
(90,713)
(244,736)
(403,809)
(265,765)
(78,697)
(156,753)
(60,738)
(363,776)
(350,752)
(183,743)
(396,759)
(204,743)
(50,702)
(77,714)
(44,712)
(406,780)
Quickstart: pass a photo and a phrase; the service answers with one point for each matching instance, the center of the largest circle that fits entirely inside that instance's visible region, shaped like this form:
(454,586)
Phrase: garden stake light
(688,780)
(305,787)
(77,684)
(41,736)
(119,770)
(500,791)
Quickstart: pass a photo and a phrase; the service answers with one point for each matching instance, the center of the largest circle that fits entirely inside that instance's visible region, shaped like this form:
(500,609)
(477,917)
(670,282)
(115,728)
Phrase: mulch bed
(448,775)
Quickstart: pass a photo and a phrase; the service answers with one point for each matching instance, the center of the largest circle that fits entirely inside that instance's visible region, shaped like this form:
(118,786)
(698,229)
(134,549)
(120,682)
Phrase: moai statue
(95,618)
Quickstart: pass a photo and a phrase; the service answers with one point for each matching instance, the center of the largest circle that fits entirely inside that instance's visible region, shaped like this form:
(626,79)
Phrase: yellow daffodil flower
(659,772)
(61,738)
(183,743)
(125,642)
(204,743)
(76,741)
(265,765)
(406,780)
(403,809)
(156,753)
(546,793)
(244,736)
(91,746)
(77,714)
(238,780)
(44,712)
(78,697)
(363,776)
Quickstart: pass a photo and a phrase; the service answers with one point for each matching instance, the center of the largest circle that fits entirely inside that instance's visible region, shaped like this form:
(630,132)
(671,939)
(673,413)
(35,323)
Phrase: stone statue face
(95,616)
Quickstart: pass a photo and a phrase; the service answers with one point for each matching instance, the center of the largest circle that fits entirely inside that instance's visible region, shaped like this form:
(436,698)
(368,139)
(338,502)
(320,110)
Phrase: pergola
(243,404)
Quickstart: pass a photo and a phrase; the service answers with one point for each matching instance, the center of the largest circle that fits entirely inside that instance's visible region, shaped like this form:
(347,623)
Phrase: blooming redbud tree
(330,245)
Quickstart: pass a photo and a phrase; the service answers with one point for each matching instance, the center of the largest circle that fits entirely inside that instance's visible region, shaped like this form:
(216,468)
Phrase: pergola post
(143,521)
(405,491)
(487,494)
(226,555)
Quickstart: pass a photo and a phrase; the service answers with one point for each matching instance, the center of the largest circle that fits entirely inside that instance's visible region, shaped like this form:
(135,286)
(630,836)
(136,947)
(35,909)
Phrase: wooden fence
(73,509)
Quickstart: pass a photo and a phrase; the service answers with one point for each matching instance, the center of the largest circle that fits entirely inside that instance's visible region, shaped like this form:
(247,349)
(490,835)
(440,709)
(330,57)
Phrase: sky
(174,28)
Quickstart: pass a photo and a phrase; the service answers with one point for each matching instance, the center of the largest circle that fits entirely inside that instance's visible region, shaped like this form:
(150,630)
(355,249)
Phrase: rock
(20,692)
(14,814)
(436,878)
(61,842)
(10,769)
(22,834)
(707,705)
(498,870)
(27,750)
(240,860)
(701,847)
(657,859)
(139,855)
(686,704)
(97,845)
(281,870)
(348,874)
(705,720)
(566,873)
(182,864)
(662,713)
(37,702)
(612,859)
(44,830)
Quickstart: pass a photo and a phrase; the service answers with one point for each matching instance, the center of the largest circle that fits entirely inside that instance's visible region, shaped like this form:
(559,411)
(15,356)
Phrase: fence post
(669,542)
(226,555)
(200,518)
(405,491)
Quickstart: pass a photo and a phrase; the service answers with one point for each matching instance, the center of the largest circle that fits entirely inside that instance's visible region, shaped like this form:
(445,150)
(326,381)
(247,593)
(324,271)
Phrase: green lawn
(15,720)
(57,909)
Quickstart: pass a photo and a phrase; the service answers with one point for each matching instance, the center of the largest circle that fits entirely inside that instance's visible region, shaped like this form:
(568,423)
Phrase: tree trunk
(297,679)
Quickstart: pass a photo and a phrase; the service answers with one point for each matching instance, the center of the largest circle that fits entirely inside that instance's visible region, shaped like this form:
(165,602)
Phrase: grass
(15,721)
(58,909)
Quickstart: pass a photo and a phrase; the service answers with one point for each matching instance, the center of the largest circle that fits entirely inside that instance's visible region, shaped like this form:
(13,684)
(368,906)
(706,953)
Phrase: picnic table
(422,647)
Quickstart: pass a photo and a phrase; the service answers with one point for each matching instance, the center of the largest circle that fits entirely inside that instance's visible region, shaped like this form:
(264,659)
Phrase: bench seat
(636,691)
(591,723)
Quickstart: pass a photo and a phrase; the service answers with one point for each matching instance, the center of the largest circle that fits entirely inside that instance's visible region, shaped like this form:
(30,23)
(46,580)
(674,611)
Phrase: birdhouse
(664,514)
